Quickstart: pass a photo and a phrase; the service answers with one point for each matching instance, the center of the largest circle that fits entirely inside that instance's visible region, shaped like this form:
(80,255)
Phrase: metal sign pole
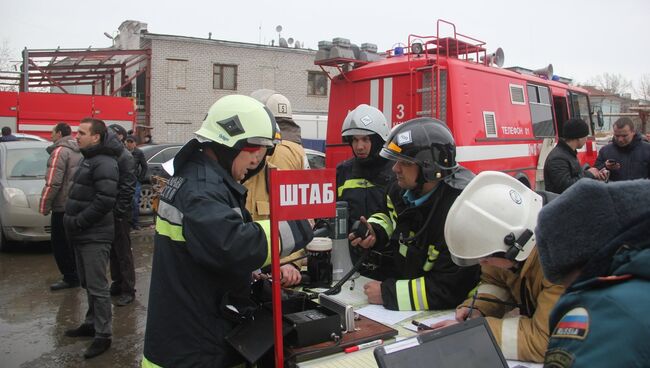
(275,271)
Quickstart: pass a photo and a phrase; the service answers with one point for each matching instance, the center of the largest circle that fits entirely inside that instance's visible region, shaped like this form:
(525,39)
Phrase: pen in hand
(471,306)
(421,326)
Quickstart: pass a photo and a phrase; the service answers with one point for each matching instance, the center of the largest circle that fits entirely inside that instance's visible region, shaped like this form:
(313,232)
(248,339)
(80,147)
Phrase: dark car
(156,155)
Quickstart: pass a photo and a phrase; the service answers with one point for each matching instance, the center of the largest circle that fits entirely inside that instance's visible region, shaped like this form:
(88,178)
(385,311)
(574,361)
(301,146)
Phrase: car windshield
(26,163)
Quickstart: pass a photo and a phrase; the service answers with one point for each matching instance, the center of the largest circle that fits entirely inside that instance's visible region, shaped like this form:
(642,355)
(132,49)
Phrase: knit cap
(586,218)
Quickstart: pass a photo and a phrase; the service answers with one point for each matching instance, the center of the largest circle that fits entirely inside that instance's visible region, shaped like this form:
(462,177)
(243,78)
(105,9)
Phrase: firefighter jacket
(425,277)
(602,319)
(289,156)
(61,166)
(562,168)
(205,248)
(525,336)
(363,187)
(634,159)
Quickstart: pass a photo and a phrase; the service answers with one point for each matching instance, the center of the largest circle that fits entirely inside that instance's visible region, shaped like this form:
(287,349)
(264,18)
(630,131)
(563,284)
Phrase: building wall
(182,80)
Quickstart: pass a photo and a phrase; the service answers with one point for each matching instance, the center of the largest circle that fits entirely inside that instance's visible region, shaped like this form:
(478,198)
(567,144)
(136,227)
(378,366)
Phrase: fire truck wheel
(146,198)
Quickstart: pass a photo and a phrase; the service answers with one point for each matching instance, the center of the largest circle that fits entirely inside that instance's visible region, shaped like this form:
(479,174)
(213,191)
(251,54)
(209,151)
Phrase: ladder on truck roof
(432,88)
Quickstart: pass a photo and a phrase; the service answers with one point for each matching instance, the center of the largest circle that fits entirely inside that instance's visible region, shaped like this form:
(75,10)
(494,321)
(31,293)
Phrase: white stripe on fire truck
(492,152)
(388,100)
(374,93)
(40,127)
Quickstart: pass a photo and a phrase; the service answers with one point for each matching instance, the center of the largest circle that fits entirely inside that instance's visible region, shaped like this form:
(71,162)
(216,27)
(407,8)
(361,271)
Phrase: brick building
(189,74)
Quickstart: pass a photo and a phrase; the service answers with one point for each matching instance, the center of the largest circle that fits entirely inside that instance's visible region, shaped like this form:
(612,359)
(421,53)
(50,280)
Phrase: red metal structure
(38,113)
(501,119)
(107,73)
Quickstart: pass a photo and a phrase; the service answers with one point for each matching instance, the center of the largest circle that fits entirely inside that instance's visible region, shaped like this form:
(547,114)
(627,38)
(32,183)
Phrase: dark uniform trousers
(122,268)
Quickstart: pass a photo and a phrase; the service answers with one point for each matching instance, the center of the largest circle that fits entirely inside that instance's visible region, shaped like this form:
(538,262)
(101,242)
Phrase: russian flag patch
(573,325)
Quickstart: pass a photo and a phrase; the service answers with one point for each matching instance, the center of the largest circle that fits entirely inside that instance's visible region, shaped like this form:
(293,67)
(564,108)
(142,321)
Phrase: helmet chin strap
(225,155)
(516,244)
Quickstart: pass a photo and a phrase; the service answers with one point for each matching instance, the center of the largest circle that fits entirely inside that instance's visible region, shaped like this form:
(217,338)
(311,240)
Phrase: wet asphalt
(33,318)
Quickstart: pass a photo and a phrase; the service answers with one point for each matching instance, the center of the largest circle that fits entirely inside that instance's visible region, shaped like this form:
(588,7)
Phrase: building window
(317,84)
(541,114)
(177,74)
(224,76)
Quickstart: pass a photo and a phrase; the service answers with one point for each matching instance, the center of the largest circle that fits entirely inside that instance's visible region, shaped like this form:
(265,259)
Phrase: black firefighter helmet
(426,142)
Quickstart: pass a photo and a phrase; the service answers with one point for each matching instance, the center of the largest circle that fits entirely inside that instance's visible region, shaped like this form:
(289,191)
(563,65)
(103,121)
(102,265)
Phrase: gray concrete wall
(182,76)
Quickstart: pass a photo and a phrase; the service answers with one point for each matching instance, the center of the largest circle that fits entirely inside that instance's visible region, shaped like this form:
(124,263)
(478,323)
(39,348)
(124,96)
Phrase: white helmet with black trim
(496,214)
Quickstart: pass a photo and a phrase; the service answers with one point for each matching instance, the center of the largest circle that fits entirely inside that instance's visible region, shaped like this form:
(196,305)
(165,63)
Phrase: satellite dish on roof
(278,28)
(290,40)
(283,42)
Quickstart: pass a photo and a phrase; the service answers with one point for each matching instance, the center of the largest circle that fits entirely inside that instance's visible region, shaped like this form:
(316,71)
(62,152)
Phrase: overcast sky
(581,39)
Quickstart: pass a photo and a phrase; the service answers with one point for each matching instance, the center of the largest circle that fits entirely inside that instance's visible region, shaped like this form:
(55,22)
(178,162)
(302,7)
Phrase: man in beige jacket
(61,166)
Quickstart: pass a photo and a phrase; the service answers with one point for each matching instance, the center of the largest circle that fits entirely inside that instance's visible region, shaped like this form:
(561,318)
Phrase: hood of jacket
(66,141)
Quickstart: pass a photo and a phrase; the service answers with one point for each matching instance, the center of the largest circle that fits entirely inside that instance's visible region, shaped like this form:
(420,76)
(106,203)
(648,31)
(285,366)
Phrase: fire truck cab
(504,120)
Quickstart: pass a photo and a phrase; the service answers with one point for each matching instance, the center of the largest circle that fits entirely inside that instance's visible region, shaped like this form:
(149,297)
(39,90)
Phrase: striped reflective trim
(509,337)
(174,232)
(170,213)
(287,241)
(494,151)
(354,183)
(419,294)
(432,255)
(266,226)
(391,211)
(403,295)
(146,363)
(382,220)
(498,292)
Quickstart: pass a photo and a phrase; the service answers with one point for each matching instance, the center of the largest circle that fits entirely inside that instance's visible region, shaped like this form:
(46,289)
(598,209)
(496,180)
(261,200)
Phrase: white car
(22,177)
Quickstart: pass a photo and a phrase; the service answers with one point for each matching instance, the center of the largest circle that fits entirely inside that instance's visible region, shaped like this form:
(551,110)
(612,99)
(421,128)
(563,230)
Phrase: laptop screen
(468,344)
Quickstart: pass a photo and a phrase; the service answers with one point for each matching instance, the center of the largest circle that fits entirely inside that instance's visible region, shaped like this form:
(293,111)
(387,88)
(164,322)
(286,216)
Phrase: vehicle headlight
(16,197)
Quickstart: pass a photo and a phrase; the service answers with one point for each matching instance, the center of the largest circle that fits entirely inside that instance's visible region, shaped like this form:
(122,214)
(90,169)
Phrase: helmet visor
(357,131)
(395,156)
(260,141)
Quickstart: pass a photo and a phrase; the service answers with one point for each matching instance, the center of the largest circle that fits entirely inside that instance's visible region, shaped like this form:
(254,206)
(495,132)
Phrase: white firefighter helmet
(496,213)
(278,104)
(365,120)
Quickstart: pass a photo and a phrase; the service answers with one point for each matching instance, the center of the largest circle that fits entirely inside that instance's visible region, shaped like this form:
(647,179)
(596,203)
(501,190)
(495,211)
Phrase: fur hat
(575,129)
(586,218)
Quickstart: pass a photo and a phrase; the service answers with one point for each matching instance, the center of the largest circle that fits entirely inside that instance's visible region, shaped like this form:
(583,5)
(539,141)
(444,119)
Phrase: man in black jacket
(141,168)
(562,168)
(122,268)
(88,221)
(628,156)
(428,182)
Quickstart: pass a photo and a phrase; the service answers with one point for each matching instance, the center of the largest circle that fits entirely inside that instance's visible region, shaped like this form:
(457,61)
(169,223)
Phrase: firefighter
(503,212)
(428,180)
(362,180)
(206,244)
(602,319)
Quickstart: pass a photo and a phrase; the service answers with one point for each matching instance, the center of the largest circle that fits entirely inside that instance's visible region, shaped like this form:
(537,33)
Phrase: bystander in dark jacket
(88,222)
(122,267)
(562,168)
(627,157)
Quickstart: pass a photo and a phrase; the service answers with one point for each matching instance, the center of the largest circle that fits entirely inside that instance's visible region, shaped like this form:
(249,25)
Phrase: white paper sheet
(382,315)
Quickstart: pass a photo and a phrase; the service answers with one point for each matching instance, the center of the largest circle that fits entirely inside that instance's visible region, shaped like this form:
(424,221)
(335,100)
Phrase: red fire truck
(38,113)
(501,119)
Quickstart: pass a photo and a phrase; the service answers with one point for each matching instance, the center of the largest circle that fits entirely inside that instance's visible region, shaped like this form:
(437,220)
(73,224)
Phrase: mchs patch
(574,325)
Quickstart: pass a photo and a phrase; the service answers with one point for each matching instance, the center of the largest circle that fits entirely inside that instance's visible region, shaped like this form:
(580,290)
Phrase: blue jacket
(602,320)
(634,159)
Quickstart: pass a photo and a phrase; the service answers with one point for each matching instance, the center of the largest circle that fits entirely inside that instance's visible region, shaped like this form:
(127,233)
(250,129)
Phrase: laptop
(468,344)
